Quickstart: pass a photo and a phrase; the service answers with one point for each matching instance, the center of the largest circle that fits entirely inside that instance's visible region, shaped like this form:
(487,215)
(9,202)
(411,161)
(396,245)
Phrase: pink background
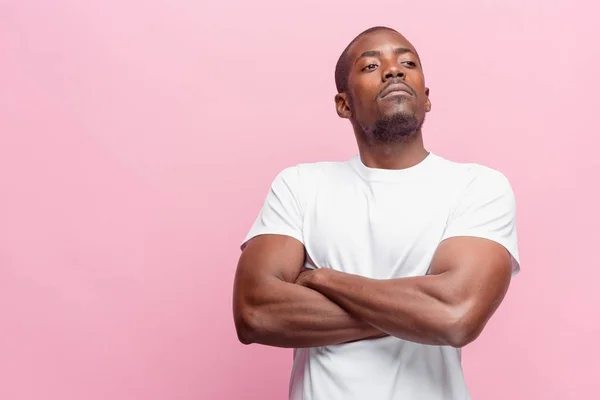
(135,152)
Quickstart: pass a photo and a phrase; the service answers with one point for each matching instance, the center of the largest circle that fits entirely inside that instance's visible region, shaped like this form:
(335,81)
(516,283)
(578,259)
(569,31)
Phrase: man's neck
(401,155)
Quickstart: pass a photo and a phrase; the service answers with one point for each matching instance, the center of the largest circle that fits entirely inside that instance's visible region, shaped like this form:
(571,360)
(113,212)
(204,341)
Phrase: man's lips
(396,88)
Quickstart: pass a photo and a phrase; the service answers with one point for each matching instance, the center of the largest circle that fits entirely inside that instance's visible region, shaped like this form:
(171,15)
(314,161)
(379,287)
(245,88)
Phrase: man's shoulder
(475,175)
(313,172)
(472,170)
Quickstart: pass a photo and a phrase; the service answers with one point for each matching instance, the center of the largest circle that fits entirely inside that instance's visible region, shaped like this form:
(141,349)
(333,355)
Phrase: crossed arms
(277,303)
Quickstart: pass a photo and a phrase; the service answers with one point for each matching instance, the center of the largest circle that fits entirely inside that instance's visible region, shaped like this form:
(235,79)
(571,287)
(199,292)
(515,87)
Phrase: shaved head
(381,86)
(342,68)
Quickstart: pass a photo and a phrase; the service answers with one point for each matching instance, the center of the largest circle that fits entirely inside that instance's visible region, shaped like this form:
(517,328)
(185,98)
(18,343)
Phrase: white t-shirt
(384,224)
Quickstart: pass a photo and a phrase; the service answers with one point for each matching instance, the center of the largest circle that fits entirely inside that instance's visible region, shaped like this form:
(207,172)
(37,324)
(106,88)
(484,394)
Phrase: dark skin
(378,60)
(278,303)
(270,309)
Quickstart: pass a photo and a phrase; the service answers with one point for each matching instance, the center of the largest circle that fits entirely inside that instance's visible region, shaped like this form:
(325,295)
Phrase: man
(379,269)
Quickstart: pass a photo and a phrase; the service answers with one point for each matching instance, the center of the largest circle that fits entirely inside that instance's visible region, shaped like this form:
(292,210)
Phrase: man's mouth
(396,89)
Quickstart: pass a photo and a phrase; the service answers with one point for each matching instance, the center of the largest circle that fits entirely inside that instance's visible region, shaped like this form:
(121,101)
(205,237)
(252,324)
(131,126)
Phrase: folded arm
(269,308)
(468,279)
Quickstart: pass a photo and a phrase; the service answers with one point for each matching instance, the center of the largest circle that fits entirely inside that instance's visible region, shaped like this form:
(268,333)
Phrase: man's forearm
(401,307)
(467,280)
(284,314)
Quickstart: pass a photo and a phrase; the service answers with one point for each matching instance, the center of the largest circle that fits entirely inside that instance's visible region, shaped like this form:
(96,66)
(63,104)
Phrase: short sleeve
(281,213)
(487,209)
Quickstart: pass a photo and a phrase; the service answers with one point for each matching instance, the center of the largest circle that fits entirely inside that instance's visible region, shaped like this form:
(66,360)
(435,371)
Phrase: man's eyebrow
(376,53)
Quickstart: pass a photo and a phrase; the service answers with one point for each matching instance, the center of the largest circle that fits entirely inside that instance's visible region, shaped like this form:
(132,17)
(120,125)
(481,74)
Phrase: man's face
(386,87)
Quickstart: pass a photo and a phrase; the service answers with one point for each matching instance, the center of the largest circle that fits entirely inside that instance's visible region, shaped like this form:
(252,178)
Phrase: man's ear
(428,102)
(342,105)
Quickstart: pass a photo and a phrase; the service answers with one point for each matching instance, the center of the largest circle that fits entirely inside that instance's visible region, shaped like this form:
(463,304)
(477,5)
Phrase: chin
(404,107)
(396,126)
(398,113)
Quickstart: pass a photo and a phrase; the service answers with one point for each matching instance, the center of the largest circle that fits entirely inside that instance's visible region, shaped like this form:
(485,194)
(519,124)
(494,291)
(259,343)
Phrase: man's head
(381,87)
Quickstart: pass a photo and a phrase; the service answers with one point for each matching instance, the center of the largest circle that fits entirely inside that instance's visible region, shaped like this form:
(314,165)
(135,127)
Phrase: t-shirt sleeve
(487,209)
(281,213)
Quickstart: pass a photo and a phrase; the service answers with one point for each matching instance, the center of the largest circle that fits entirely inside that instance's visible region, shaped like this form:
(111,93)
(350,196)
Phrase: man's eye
(410,63)
(370,67)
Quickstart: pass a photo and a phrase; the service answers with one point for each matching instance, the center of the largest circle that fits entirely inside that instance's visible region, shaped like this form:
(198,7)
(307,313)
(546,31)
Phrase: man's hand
(269,308)
(467,281)
(310,278)
(306,277)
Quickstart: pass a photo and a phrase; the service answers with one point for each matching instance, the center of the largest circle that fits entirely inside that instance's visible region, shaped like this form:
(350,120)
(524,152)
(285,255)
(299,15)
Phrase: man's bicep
(266,256)
(476,271)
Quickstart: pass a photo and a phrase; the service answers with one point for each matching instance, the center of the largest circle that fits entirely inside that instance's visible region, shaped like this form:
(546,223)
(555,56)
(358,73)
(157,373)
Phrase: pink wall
(134,154)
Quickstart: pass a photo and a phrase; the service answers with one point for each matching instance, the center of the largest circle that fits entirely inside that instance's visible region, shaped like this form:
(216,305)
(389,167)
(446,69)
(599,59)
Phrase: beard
(396,128)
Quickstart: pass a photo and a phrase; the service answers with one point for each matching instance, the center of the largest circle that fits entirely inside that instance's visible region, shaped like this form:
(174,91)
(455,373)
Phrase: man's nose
(393,71)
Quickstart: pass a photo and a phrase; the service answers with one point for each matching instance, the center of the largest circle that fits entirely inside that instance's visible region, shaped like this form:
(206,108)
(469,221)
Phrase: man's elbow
(460,337)
(244,334)
(463,330)
(247,324)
